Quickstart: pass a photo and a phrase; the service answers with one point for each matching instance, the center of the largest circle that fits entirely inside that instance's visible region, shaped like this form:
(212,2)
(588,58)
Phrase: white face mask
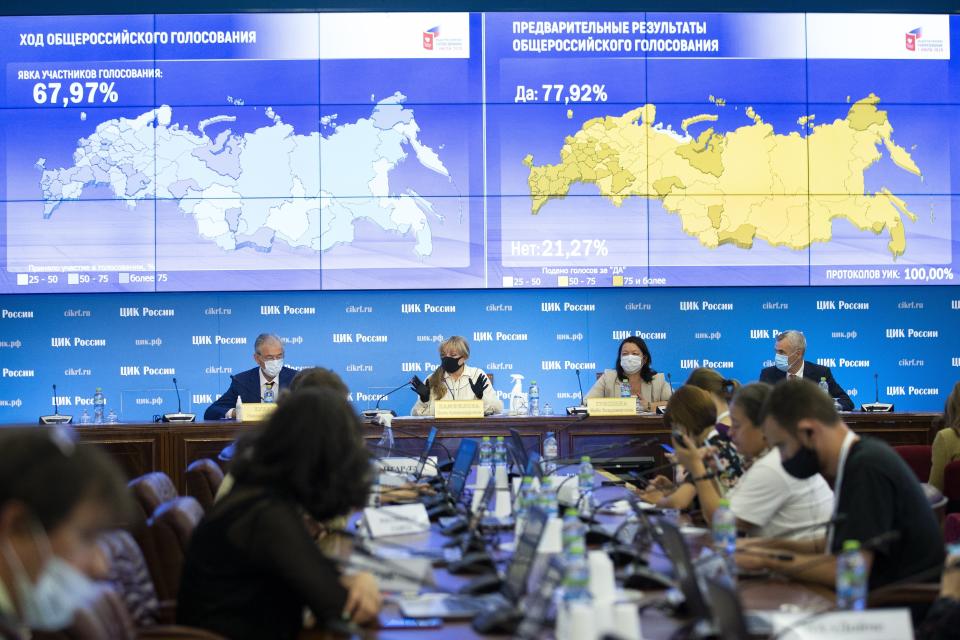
(50,604)
(272,368)
(631,364)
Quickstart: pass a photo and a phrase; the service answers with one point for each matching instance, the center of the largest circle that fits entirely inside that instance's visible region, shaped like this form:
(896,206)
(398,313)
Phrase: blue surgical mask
(50,604)
(272,368)
(782,361)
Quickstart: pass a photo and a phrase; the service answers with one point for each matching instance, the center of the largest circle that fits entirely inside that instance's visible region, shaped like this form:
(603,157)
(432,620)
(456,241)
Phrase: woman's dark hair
(49,473)
(692,408)
(311,450)
(750,399)
(709,380)
(647,373)
(319,378)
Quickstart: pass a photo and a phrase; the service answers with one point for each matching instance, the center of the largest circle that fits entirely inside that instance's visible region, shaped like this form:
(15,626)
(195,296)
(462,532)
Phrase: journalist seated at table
(454,379)
(692,413)
(720,389)
(878,502)
(633,375)
(260,384)
(55,498)
(946,444)
(789,364)
(766,500)
(252,565)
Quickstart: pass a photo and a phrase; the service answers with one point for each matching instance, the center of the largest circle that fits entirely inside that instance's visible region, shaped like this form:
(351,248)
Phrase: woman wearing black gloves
(454,380)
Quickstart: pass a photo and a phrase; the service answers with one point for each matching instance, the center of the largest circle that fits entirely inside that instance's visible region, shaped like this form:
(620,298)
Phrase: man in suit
(790,349)
(260,384)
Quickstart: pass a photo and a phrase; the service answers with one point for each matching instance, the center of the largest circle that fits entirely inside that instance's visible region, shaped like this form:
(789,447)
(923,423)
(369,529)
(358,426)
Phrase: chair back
(151,490)
(918,457)
(171,528)
(951,486)
(951,528)
(129,577)
(203,480)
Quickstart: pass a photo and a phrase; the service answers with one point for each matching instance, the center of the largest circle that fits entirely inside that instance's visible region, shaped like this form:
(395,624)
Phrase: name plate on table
(396,520)
(405,465)
(458,409)
(875,624)
(256,411)
(612,406)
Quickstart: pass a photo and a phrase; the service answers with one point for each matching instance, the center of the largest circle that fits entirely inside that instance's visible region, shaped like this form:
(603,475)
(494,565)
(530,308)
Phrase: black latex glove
(421,389)
(478,386)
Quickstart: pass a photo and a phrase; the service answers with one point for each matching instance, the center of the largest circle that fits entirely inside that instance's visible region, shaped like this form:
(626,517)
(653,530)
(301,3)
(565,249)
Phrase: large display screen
(463,150)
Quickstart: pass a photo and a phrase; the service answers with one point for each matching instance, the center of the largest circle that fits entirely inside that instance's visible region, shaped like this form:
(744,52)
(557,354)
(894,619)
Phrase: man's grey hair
(794,338)
(265,337)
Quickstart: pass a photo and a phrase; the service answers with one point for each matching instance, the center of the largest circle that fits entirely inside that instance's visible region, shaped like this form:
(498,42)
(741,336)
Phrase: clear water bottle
(574,531)
(533,398)
(99,406)
(625,389)
(824,386)
(576,580)
(586,478)
(547,410)
(500,452)
(85,417)
(112,417)
(486,452)
(547,501)
(386,443)
(526,499)
(268,395)
(725,535)
(550,449)
(851,578)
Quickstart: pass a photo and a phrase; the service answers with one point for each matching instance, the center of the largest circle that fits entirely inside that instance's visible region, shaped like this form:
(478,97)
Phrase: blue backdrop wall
(132,345)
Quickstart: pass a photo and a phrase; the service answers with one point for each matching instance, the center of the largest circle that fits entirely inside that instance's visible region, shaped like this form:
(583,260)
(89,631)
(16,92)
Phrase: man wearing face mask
(876,494)
(454,379)
(789,364)
(55,499)
(633,376)
(260,384)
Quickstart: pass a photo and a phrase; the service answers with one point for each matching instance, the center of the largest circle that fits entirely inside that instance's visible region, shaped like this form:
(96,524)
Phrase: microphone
(876,406)
(372,414)
(179,416)
(56,417)
(580,409)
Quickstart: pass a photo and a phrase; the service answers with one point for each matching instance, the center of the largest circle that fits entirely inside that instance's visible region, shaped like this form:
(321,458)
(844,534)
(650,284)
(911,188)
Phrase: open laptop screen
(525,553)
(461,467)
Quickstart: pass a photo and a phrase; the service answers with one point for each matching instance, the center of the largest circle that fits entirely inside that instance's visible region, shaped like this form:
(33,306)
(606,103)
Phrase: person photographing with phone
(454,379)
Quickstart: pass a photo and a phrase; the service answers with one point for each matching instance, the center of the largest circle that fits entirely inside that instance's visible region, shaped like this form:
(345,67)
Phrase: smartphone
(411,623)
(678,437)
(667,448)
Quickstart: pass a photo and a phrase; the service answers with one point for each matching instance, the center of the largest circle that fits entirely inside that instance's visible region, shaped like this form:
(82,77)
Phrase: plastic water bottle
(112,417)
(386,443)
(851,578)
(585,480)
(725,535)
(526,499)
(547,501)
(576,580)
(550,453)
(824,386)
(486,452)
(85,417)
(533,398)
(268,395)
(547,410)
(624,388)
(500,452)
(99,406)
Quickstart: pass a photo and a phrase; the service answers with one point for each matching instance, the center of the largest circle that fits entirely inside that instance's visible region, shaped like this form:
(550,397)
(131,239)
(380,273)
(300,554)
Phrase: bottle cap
(584,458)
(724,502)
(571,512)
(499,438)
(486,438)
(851,545)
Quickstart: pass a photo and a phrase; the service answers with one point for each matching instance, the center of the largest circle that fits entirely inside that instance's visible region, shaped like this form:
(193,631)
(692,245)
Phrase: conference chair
(151,490)
(951,528)
(918,457)
(203,480)
(130,578)
(951,486)
(170,529)
(105,617)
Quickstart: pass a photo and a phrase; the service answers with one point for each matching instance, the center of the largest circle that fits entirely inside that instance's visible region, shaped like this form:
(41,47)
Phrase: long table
(144,447)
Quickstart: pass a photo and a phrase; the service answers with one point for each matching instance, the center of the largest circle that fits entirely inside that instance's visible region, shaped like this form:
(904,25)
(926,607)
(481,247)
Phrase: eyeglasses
(269,358)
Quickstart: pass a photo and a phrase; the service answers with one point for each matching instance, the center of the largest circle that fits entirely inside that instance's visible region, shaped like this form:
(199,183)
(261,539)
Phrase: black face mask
(803,464)
(450,364)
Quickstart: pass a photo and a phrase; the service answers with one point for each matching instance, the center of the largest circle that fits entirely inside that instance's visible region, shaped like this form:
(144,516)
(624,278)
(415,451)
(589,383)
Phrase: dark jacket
(246,385)
(813,372)
(252,567)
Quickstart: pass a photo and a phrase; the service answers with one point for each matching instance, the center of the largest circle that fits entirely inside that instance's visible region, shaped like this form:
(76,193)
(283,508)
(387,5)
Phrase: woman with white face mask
(55,498)
(633,376)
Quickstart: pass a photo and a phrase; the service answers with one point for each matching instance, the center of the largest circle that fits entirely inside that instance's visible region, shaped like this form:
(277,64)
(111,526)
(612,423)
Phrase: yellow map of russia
(747,183)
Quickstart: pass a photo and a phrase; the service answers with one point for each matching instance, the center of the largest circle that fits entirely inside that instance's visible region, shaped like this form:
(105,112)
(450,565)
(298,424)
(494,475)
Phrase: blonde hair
(435,381)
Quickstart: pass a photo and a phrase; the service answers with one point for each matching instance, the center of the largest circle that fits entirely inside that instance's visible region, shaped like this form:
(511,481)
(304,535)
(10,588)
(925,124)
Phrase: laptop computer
(514,586)
(426,452)
(515,446)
